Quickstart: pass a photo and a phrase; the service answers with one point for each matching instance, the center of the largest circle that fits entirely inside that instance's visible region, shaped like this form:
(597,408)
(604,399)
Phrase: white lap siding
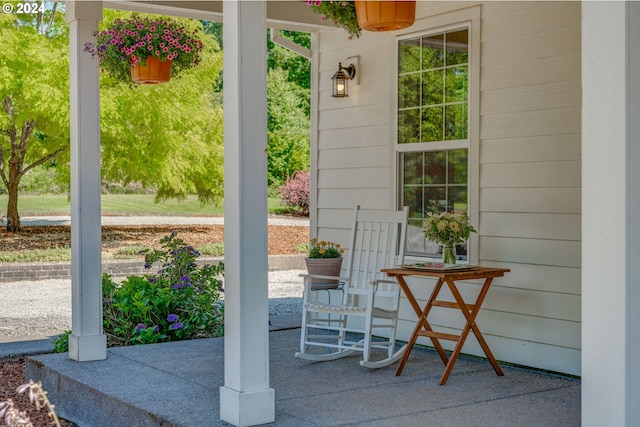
(529,167)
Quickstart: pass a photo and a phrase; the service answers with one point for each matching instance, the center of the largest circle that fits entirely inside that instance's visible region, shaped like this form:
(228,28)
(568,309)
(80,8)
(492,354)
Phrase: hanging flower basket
(153,72)
(385,15)
(128,43)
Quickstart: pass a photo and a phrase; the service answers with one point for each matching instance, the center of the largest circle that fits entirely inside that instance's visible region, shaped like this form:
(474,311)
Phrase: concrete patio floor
(177,384)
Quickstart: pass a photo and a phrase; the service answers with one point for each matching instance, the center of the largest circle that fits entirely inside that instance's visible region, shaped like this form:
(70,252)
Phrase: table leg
(476,330)
(422,322)
(470,316)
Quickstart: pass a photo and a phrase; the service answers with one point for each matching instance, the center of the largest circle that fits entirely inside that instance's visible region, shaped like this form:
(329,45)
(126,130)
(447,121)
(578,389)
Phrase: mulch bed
(282,239)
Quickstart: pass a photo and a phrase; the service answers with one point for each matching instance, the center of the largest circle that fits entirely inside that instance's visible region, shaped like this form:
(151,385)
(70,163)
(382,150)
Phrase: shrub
(295,192)
(180,302)
(61,342)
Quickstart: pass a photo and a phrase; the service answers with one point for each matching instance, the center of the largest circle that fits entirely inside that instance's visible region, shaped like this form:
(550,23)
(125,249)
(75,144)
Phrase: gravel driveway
(37,309)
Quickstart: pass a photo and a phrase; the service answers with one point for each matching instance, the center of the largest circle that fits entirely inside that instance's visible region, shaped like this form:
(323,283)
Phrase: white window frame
(468,18)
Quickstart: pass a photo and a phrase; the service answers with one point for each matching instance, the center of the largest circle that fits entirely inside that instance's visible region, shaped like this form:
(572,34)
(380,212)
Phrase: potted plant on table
(146,49)
(447,229)
(325,259)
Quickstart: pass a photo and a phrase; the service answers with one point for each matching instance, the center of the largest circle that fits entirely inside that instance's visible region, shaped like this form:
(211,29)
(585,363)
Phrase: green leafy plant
(343,14)
(61,342)
(128,42)
(179,302)
(323,249)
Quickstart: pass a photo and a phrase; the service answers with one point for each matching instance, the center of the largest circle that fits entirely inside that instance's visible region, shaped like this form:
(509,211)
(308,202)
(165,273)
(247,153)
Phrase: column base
(87,348)
(248,408)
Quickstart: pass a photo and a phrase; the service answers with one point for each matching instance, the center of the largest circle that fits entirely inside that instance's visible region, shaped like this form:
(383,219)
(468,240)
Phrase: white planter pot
(324,267)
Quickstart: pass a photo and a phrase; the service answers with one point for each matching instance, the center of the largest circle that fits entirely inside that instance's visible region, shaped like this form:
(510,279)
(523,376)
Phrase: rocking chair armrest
(389,281)
(320,276)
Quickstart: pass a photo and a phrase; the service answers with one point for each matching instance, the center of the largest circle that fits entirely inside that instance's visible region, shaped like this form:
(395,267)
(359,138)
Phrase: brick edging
(24,271)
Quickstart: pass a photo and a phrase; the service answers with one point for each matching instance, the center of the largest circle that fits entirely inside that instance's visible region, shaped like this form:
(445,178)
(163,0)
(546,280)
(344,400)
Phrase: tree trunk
(13,219)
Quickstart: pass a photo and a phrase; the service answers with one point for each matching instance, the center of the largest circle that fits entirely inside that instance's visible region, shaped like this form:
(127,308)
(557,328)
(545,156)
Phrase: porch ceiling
(287,15)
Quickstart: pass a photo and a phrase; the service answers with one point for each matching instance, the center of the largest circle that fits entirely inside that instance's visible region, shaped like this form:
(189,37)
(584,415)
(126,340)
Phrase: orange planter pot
(153,73)
(385,15)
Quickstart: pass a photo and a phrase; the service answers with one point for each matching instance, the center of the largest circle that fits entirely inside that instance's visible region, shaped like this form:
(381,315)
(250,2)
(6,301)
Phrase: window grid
(452,193)
(421,106)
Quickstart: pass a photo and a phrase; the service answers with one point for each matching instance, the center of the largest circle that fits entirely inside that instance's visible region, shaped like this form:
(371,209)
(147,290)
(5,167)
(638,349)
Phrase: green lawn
(121,204)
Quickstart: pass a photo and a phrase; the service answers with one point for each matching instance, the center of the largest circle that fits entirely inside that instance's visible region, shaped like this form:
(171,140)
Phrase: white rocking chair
(370,301)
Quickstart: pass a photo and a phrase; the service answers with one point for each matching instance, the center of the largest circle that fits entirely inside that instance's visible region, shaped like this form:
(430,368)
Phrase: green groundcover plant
(179,302)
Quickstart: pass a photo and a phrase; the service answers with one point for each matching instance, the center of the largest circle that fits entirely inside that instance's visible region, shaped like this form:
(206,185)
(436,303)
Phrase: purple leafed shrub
(295,192)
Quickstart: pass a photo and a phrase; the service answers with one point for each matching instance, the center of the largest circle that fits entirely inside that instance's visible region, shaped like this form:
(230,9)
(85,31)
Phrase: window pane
(436,78)
(435,167)
(442,186)
(457,199)
(432,87)
(409,91)
(457,167)
(408,56)
(408,126)
(415,241)
(458,47)
(432,124)
(433,52)
(456,122)
(413,168)
(435,196)
(413,199)
(457,85)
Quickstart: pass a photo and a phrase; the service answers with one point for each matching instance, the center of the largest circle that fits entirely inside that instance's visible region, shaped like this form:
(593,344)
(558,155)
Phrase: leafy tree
(288,127)
(288,91)
(34,99)
(169,136)
(298,67)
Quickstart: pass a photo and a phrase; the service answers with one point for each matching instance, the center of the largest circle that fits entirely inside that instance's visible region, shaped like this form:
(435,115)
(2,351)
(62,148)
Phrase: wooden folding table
(470,311)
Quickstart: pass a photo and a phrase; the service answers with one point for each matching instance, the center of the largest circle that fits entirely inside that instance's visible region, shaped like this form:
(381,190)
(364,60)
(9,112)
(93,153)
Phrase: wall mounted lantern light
(341,80)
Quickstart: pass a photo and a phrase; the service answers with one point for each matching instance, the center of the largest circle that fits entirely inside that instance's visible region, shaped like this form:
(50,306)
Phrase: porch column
(87,341)
(610,213)
(245,398)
